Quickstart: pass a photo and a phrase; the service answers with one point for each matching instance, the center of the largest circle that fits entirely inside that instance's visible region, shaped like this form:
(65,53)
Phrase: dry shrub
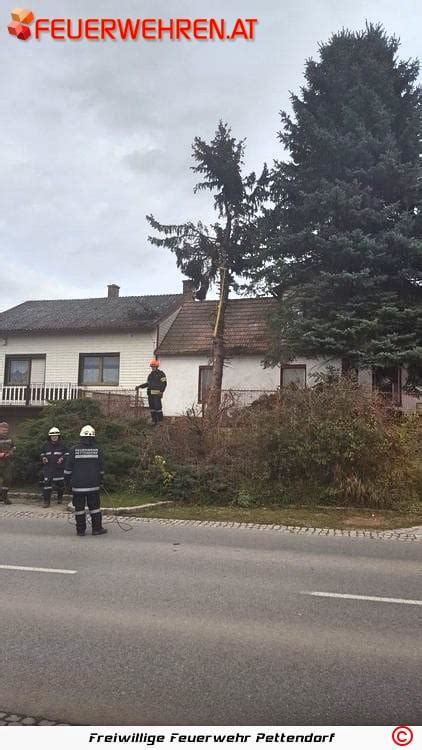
(334,444)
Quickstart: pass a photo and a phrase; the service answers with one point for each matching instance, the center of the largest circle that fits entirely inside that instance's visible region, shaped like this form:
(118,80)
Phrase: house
(62,349)
(50,349)
(186,347)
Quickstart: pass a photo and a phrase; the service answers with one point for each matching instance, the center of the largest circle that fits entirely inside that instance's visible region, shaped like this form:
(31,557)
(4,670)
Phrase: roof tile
(102,313)
(246,327)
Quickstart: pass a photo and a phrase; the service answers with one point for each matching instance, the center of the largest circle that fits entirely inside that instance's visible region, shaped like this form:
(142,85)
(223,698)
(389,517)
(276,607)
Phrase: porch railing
(37,394)
(114,401)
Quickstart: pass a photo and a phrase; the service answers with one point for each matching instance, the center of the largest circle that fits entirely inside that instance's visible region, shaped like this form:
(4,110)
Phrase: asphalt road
(196,625)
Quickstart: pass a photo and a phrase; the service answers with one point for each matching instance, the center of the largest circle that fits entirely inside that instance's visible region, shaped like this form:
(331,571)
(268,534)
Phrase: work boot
(59,498)
(46,504)
(80,523)
(97,523)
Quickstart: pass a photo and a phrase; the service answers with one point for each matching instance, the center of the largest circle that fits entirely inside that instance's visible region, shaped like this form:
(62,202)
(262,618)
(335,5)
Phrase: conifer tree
(343,243)
(217,253)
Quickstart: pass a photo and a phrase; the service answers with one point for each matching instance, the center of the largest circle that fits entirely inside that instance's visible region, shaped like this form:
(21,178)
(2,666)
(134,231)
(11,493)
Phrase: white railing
(37,394)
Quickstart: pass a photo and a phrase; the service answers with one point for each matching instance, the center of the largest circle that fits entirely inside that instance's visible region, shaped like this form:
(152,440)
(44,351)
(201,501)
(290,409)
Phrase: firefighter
(7,449)
(53,456)
(84,473)
(156,385)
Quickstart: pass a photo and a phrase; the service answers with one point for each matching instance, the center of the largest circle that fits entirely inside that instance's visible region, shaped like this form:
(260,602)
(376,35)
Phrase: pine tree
(217,253)
(343,244)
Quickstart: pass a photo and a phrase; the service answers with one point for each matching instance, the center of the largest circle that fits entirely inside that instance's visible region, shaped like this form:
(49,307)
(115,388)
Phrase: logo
(130,29)
(19,26)
(402,736)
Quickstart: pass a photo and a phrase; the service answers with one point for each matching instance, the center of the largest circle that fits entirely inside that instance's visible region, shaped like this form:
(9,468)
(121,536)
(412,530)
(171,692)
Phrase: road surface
(197,625)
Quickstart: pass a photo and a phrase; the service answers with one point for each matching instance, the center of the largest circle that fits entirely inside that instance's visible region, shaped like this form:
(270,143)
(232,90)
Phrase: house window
(99,369)
(18,371)
(293,375)
(25,369)
(204,382)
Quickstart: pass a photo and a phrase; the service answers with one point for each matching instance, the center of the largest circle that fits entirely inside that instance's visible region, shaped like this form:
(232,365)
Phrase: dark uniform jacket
(53,452)
(84,466)
(156,383)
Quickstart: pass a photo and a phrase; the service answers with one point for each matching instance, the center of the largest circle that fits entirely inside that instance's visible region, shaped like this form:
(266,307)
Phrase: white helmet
(87,431)
(54,431)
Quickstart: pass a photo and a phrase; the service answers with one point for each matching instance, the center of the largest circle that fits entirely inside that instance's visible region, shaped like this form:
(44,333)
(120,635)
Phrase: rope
(115,518)
(123,525)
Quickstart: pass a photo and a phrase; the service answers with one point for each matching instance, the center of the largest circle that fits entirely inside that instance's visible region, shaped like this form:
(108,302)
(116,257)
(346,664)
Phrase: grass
(122,499)
(322,517)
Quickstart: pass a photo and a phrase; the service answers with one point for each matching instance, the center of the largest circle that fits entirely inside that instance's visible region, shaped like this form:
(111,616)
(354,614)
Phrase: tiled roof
(98,314)
(246,327)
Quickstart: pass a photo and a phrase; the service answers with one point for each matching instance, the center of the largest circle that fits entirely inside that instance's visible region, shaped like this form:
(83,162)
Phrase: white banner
(347,738)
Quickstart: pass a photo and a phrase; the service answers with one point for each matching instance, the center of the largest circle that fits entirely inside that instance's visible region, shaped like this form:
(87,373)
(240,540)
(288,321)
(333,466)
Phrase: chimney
(189,288)
(113,291)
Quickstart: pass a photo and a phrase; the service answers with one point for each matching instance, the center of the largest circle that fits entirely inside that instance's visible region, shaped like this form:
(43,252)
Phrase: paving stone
(2,714)
(402,535)
(46,723)
(12,717)
(28,721)
(2,723)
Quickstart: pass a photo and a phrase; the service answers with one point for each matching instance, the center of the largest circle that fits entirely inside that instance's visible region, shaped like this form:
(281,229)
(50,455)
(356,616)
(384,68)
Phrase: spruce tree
(343,243)
(217,253)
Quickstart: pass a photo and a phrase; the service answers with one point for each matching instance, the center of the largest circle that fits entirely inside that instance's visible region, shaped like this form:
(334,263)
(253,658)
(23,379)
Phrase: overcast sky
(96,135)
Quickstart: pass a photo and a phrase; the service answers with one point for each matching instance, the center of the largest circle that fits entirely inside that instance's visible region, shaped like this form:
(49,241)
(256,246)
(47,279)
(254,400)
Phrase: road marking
(361,597)
(38,570)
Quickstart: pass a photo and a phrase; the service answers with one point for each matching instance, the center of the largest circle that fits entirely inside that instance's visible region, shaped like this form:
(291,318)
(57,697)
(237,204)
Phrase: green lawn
(322,517)
(357,518)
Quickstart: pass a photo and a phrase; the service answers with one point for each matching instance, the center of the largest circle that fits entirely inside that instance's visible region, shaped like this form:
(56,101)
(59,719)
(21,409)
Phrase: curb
(411,534)
(32,498)
(13,719)
(401,535)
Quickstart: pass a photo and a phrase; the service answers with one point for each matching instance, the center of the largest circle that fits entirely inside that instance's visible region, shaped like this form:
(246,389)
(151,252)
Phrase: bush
(337,444)
(120,440)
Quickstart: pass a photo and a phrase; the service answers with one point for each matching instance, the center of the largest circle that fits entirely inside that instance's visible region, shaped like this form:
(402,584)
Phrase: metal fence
(116,402)
(237,398)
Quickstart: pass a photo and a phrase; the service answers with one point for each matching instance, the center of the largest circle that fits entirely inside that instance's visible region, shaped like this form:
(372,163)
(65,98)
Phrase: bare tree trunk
(214,393)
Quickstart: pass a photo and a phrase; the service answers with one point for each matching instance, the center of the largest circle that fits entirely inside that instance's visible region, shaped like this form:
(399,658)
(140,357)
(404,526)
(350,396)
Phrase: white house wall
(62,354)
(240,373)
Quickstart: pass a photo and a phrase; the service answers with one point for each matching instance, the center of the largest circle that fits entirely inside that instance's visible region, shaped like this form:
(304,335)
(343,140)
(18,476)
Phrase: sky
(95,135)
